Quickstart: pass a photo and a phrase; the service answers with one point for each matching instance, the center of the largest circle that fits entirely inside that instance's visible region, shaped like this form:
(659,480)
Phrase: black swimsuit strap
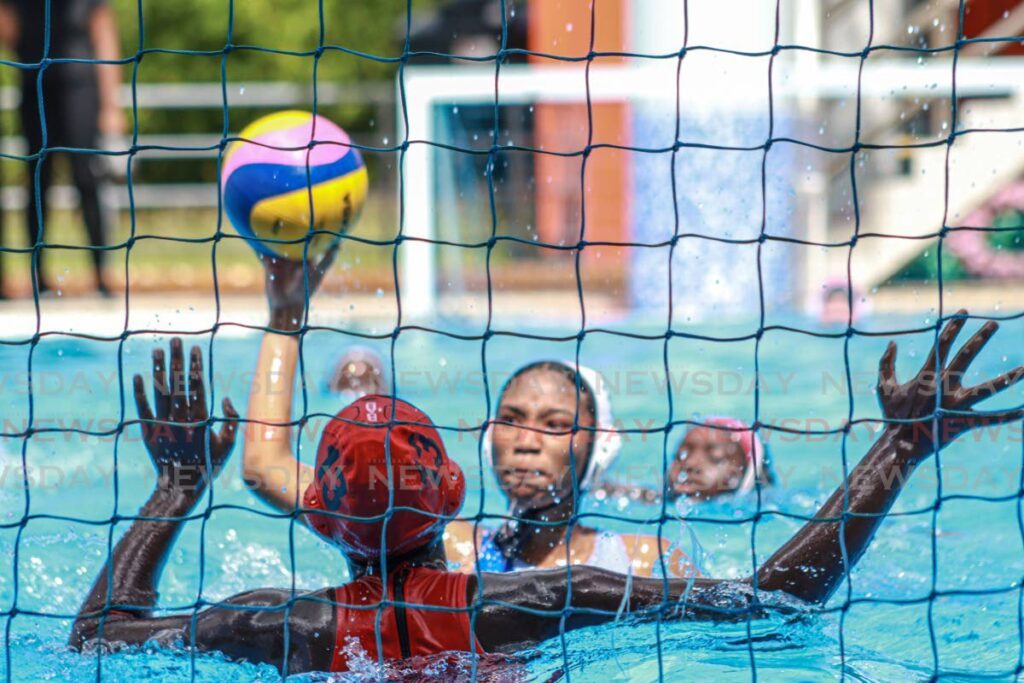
(510,538)
(401,620)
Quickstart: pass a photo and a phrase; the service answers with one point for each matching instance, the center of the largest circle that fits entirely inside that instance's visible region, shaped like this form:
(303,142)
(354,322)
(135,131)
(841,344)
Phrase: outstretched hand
(928,425)
(176,437)
(290,284)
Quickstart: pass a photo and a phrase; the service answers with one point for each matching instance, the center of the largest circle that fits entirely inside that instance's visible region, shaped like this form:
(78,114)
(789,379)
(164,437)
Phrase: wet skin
(808,567)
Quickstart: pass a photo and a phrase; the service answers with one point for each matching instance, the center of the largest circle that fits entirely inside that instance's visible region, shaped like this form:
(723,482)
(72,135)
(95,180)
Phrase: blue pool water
(891,631)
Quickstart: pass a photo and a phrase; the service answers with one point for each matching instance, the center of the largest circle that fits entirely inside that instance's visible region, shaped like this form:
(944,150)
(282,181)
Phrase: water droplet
(443,362)
(241,91)
(385,139)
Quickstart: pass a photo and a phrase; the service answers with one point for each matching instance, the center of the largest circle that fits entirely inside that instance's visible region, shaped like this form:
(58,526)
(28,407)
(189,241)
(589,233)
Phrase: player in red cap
(384,487)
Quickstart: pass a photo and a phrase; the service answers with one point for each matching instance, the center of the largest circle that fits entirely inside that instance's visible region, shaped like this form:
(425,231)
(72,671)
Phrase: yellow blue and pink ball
(281,189)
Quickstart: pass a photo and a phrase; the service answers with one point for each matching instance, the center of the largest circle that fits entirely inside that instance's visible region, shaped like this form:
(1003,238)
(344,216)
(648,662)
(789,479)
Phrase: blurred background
(860,146)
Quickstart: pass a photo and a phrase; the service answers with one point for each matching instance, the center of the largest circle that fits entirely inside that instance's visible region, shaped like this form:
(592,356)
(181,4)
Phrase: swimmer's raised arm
(808,567)
(175,439)
(118,609)
(922,417)
(269,465)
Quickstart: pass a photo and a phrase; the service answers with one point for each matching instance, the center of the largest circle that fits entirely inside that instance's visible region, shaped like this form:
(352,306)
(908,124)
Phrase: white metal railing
(185,145)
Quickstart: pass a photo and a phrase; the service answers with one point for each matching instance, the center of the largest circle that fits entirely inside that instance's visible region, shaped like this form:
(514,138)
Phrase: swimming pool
(891,631)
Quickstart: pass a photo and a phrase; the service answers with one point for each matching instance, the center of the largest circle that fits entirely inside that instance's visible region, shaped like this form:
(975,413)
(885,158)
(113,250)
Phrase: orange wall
(980,14)
(563,28)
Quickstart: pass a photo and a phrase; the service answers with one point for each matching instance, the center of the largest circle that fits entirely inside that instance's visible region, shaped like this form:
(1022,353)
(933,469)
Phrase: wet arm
(135,565)
(249,626)
(525,608)
(812,564)
(268,462)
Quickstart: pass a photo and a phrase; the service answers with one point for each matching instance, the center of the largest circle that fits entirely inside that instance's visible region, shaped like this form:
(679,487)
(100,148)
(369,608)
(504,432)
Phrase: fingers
(226,438)
(887,369)
(196,387)
(179,406)
(986,389)
(141,402)
(161,392)
(971,349)
(936,361)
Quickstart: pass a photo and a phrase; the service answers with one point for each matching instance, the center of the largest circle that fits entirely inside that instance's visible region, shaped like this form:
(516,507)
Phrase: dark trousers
(71,108)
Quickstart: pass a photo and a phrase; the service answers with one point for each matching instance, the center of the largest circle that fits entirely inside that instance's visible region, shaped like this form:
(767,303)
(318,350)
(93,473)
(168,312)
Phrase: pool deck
(194,312)
(197,312)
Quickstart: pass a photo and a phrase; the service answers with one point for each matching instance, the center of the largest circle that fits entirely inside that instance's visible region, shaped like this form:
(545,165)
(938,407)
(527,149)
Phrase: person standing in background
(7,36)
(79,102)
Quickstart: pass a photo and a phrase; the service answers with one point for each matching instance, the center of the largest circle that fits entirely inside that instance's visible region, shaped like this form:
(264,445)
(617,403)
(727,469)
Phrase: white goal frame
(804,80)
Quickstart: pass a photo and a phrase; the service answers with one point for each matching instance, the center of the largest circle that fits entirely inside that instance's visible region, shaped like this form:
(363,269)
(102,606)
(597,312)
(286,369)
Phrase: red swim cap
(353,480)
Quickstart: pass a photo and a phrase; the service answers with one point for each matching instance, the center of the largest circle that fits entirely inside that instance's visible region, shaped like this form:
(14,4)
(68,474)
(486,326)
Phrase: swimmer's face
(709,462)
(532,449)
(837,307)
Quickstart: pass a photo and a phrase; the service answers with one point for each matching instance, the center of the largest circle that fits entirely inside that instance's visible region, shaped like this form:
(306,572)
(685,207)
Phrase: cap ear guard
(607,439)
(319,523)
